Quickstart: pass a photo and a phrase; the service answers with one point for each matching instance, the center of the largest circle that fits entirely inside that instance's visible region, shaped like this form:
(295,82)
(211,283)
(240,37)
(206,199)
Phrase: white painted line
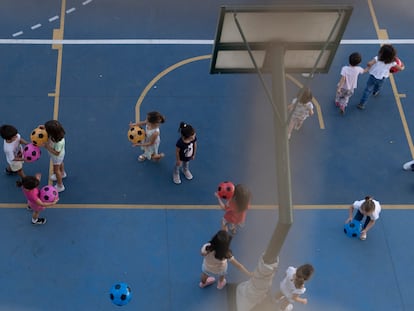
(36,26)
(70,10)
(18,34)
(53,18)
(86,2)
(109,42)
(167,41)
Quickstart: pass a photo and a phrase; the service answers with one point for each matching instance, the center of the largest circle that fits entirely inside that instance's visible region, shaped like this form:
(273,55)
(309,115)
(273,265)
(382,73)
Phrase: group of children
(379,70)
(13,149)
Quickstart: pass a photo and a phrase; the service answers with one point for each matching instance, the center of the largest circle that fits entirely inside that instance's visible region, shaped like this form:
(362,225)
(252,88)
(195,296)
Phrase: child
(216,254)
(13,149)
(293,285)
(185,151)
(348,82)
(379,70)
(31,191)
(369,208)
(302,108)
(152,136)
(56,148)
(235,209)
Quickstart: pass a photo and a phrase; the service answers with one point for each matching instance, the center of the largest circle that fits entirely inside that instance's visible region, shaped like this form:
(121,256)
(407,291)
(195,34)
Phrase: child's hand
(131,124)
(137,145)
(305,301)
(216,195)
(55,201)
(349,219)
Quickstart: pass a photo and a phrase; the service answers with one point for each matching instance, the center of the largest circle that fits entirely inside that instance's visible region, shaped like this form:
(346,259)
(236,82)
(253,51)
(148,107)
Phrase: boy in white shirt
(13,149)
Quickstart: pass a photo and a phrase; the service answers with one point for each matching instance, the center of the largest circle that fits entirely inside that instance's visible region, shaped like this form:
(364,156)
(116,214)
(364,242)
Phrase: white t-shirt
(375,213)
(381,70)
(287,286)
(12,149)
(351,76)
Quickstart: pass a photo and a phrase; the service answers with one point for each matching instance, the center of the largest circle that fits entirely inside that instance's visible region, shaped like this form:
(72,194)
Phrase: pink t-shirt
(232,214)
(32,196)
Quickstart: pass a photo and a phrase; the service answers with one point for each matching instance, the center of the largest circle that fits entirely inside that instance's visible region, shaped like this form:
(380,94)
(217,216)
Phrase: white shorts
(16,166)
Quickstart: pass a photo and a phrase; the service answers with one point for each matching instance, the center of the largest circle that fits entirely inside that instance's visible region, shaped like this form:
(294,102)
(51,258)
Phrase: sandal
(210,280)
(363,236)
(221,284)
(141,158)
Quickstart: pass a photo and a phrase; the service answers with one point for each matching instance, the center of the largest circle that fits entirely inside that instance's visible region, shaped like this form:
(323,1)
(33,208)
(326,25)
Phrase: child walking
(12,147)
(56,148)
(185,151)
(235,209)
(301,108)
(348,82)
(216,254)
(31,191)
(368,208)
(293,285)
(379,70)
(152,136)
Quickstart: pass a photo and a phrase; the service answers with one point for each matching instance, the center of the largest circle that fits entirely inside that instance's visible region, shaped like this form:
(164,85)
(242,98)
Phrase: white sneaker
(408,166)
(176,178)
(187,174)
(53,176)
(60,188)
(289,307)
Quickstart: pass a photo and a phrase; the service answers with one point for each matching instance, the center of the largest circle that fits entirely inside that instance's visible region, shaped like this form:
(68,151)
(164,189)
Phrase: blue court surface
(121,220)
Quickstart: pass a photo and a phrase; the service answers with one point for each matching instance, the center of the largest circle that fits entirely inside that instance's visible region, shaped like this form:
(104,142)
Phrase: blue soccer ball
(120,294)
(353,229)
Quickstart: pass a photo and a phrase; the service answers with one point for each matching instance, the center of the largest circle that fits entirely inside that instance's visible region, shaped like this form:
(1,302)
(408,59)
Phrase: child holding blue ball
(368,208)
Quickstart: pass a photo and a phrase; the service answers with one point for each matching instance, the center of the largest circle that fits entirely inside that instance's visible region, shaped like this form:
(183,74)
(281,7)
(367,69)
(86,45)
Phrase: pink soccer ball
(31,153)
(48,194)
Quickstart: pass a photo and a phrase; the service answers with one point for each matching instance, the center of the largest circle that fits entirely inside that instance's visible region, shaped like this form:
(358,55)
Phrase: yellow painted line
(314,101)
(159,76)
(383,35)
(203,207)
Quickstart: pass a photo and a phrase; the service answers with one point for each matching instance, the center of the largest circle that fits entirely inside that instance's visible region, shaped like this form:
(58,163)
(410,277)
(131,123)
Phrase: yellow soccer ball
(136,134)
(39,136)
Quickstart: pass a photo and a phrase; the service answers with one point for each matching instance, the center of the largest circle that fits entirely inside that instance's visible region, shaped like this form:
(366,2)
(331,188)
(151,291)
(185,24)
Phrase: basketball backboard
(310,36)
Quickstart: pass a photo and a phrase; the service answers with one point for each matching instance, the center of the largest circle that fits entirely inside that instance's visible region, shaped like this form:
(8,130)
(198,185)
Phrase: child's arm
(340,84)
(46,204)
(351,214)
(371,62)
(51,150)
(220,201)
(139,123)
(310,111)
(297,298)
(400,67)
(195,150)
(177,156)
(239,266)
(150,142)
(23,141)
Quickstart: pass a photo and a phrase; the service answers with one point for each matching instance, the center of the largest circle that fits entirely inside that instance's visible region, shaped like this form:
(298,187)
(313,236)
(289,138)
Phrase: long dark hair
(242,197)
(220,244)
(55,130)
(186,130)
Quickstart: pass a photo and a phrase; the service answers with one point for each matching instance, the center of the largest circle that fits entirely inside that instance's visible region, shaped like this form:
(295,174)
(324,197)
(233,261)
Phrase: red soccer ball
(225,190)
(399,63)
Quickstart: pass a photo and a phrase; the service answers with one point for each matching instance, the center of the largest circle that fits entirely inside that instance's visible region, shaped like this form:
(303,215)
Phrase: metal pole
(252,292)
(282,156)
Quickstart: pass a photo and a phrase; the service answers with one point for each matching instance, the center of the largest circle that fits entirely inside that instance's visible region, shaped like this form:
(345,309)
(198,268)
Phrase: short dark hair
(355,59)
(8,131)
(186,130)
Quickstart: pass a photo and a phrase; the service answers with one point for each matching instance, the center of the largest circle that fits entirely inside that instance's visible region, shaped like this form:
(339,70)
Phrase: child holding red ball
(235,208)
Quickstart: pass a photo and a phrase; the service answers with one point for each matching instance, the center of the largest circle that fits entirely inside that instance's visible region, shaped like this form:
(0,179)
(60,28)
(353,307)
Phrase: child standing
(368,208)
(235,209)
(293,285)
(302,108)
(31,191)
(379,70)
(56,148)
(12,147)
(185,151)
(152,136)
(348,82)
(216,254)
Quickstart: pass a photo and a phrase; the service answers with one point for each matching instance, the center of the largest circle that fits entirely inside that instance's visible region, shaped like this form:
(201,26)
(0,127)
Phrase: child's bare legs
(282,300)
(291,126)
(21,173)
(222,282)
(206,280)
(58,169)
(224,225)
(298,124)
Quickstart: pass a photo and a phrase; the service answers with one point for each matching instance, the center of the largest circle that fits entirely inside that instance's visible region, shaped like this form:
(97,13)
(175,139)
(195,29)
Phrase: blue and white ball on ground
(120,294)
(353,229)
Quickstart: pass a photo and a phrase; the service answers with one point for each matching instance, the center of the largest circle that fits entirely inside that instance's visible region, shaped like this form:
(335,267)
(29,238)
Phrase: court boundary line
(202,207)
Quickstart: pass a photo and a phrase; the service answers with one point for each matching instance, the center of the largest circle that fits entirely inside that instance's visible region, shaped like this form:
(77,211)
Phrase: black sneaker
(39,221)
(361,106)
(375,93)
(8,172)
